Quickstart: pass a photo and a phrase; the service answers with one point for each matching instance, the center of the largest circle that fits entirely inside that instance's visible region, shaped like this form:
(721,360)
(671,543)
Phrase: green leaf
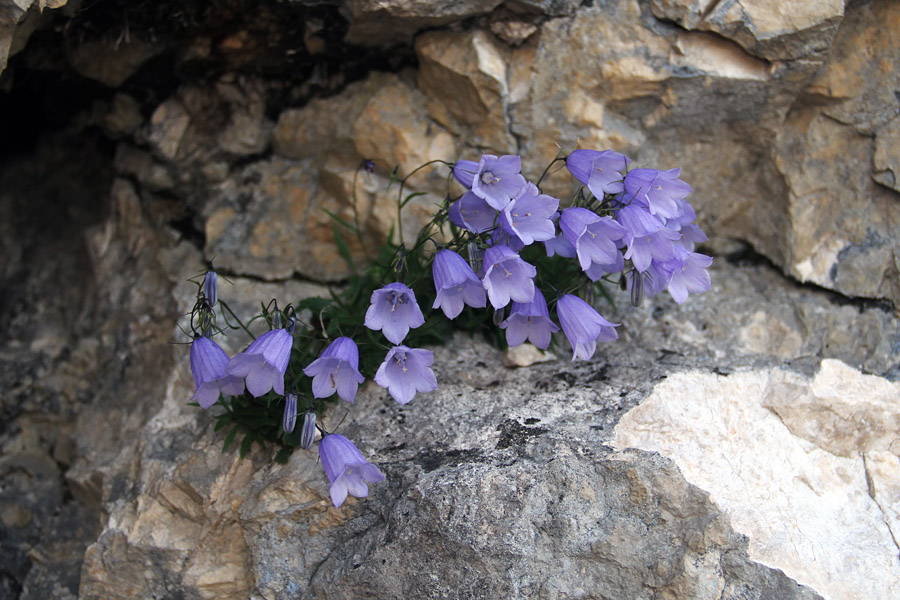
(229,437)
(343,223)
(343,249)
(246,443)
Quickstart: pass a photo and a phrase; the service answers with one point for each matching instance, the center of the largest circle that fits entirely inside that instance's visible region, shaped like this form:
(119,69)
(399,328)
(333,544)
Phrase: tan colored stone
(766,334)
(887,155)
(805,510)
(841,410)
(324,127)
(394,130)
(111,64)
(377,22)
(525,355)
(767,28)
(464,76)
(825,188)
(863,68)
(168,125)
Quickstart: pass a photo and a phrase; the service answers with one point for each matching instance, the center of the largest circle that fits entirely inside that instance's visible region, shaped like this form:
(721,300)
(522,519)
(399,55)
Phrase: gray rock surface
(226,135)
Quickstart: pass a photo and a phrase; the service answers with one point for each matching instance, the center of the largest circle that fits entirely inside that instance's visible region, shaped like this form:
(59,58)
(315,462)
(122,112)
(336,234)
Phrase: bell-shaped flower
(394,311)
(498,179)
(598,270)
(472,213)
(289,418)
(560,245)
(456,284)
(336,369)
(529,321)
(601,171)
(528,216)
(464,172)
(405,372)
(662,192)
(208,363)
(264,362)
(507,277)
(346,468)
(594,237)
(690,275)
(583,326)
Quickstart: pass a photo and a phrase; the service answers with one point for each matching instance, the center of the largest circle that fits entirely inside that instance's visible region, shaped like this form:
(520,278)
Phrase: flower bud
(309,430)
(290,413)
(211,288)
(637,288)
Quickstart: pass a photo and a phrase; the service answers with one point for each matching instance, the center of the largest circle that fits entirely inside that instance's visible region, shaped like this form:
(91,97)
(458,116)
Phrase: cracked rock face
(739,446)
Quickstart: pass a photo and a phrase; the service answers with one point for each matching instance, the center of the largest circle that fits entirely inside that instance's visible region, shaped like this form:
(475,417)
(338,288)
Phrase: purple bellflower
(560,245)
(208,362)
(506,277)
(394,311)
(583,326)
(498,179)
(346,468)
(456,284)
(593,236)
(464,172)
(531,321)
(264,362)
(689,275)
(472,213)
(528,216)
(600,171)
(662,192)
(337,369)
(406,371)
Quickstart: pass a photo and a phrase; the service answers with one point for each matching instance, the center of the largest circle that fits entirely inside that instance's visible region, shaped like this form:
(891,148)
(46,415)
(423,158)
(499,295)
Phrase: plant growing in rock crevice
(629,227)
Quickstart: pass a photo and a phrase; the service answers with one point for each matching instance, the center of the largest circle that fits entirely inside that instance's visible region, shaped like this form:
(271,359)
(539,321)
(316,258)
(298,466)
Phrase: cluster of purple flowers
(637,223)
(639,216)
(262,367)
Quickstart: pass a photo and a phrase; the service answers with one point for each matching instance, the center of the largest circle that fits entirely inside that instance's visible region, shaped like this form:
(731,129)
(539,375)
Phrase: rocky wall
(740,446)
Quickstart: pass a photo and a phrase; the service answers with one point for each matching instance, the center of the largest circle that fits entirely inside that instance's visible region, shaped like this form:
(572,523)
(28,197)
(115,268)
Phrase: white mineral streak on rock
(820,517)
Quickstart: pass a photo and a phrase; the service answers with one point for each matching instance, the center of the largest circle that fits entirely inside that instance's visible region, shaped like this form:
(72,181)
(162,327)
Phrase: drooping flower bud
(211,287)
(308,434)
(637,288)
(290,413)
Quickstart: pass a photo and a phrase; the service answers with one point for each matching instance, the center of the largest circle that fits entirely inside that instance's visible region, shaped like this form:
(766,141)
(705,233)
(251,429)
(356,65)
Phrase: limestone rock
(859,78)
(465,77)
(111,64)
(768,29)
(859,257)
(17,22)
(757,464)
(375,22)
(887,150)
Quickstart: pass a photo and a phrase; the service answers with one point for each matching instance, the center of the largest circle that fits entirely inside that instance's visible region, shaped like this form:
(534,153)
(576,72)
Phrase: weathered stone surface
(111,63)
(887,151)
(768,443)
(18,19)
(500,483)
(465,76)
(861,256)
(386,22)
(767,28)
(859,78)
